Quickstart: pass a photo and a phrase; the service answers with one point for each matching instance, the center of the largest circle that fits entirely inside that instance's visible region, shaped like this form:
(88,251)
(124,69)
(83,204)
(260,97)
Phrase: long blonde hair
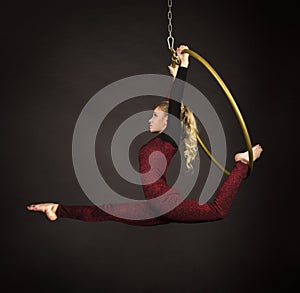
(190,132)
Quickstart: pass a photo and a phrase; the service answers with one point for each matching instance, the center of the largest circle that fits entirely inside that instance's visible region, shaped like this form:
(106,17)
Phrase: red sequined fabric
(153,170)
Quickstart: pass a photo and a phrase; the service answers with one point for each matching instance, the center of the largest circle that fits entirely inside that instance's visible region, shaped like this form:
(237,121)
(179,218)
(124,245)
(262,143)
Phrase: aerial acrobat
(187,210)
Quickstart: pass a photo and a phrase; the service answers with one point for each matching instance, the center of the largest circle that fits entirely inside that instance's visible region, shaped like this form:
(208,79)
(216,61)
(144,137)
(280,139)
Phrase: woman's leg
(192,211)
(93,213)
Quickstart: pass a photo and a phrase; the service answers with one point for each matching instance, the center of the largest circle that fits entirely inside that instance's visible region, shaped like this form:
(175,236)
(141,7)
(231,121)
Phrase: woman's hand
(183,57)
(184,60)
(173,70)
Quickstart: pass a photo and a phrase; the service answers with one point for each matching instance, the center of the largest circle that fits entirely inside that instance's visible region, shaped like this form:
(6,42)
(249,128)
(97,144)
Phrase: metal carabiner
(170,42)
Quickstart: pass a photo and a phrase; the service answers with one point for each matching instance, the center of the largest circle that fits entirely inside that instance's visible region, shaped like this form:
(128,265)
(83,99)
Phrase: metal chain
(175,60)
(170,39)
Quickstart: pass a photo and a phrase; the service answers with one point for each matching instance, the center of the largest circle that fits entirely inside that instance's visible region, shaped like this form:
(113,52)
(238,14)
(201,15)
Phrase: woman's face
(158,121)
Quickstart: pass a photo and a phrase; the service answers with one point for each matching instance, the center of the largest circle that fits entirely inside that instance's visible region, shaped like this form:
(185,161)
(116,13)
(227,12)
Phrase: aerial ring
(235,108)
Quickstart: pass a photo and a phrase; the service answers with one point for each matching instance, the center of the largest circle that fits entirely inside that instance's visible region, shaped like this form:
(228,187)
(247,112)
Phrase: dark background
(55,55)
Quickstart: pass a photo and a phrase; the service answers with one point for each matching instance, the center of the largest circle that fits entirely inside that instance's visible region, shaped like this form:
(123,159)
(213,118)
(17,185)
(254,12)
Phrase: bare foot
(244,157)
(48,208)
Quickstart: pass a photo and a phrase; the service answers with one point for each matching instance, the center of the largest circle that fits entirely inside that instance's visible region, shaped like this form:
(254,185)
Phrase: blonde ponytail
(190,130)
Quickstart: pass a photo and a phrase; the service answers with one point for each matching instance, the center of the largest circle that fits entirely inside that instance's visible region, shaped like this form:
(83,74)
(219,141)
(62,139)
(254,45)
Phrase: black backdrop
(56,55)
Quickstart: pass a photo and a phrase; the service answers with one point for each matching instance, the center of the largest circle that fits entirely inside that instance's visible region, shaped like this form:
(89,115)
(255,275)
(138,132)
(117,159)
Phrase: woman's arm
(176,96)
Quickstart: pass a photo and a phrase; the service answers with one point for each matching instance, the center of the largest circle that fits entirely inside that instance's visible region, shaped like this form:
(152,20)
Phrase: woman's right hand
(184,60)
(183,57)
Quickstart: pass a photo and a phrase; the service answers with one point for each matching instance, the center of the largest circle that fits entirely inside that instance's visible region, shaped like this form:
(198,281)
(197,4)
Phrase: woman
(154,176)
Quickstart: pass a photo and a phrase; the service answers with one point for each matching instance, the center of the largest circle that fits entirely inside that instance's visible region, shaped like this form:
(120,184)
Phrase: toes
(36,207)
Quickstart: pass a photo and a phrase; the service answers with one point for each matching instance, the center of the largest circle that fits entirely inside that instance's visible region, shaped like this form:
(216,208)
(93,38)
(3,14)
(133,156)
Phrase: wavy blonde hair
(190,132)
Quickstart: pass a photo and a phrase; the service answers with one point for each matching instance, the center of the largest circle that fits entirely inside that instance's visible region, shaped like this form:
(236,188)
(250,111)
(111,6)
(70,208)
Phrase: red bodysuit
(185,211)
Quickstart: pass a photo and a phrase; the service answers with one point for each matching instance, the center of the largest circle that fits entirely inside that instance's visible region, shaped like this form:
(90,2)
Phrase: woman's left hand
(173,70)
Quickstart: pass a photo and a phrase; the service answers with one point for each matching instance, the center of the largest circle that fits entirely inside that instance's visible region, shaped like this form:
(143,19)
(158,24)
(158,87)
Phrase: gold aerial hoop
(176,60)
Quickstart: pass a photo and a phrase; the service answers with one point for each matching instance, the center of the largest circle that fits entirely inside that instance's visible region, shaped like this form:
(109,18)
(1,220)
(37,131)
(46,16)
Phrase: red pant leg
(93,213)
(188,210)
